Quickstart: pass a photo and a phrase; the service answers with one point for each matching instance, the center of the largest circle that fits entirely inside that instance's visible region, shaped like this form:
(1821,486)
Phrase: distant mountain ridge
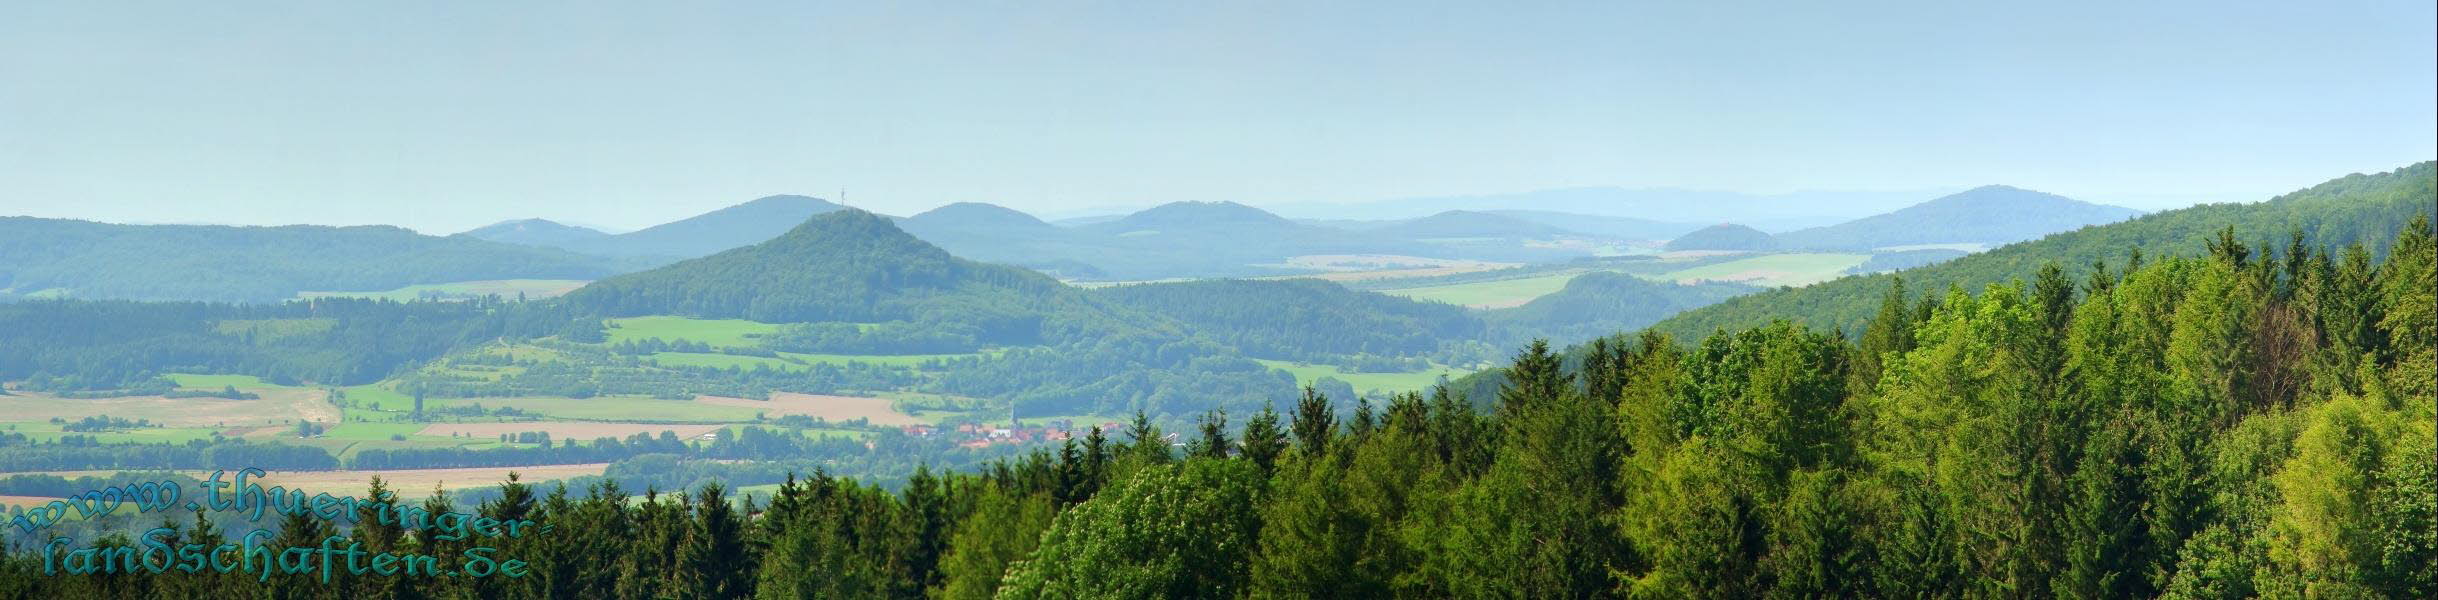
(1472,224)
(2358,208)
(1194,216)
(977,214)
(701,235)
(1775,212)
(1617,227)
(1993,215)
(534,232)
(843,265)
(85,259)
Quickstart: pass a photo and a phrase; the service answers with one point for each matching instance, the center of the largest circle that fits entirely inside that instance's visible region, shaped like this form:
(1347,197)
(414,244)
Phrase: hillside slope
(84,259)
(1991,215)
(1301,318)
(2365,209)
(841,266)
(1724,236)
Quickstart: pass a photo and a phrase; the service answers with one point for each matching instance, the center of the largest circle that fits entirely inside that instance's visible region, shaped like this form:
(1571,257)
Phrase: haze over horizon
(448,117)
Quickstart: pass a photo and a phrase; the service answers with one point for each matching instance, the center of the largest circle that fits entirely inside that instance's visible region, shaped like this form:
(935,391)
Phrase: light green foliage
(1002,529)
(1169,531)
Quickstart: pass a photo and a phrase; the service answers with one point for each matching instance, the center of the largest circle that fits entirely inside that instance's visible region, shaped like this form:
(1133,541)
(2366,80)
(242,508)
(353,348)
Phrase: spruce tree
(711,556)
(1314,422)
(1263,441)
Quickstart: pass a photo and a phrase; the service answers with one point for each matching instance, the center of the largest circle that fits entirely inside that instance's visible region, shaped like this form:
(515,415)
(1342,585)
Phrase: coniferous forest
(2245,421)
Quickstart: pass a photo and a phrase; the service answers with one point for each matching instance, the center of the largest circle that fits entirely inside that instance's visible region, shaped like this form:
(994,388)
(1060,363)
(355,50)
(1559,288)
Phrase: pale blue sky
(448,117)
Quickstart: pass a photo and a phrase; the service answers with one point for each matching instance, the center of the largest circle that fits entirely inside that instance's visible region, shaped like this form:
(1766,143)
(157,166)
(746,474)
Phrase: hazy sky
(448,117)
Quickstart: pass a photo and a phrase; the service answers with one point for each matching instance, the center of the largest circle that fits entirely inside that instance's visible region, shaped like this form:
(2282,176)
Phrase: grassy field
(879,411)
(213,382)
(1491,294)
(735,333)
(1305,374)
(278,406)
(533,289)
(372,395)
(1797,269)
(616,408)
(358,431)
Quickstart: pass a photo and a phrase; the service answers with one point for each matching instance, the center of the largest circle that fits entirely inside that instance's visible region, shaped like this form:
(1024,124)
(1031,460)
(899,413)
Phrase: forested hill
(85,259)
(1302,318)
(846,265)
(2367,209)
(1597,304)
(1724,236)
(1994,214)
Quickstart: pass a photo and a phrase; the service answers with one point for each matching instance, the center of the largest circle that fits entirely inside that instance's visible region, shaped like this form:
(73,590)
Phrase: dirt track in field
(832,408)
(276,407)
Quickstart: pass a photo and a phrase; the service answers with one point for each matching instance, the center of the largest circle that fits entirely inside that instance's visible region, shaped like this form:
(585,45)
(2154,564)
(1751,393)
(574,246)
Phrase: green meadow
(1797,269)
(188,380)
(1305,374)
(1491,294)
(733,333)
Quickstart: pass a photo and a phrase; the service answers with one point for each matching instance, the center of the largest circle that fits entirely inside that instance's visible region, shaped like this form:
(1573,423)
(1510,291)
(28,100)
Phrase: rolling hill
(1600,303)
(1471,224)
(2365,209)
(85,259)
(1617,227)
(1724,236)
(993,233)
(1301,318)
(1788,210)
(975,216)
(707,233)
(1220,239)
(535,232)
(846,265)
(1992,215)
